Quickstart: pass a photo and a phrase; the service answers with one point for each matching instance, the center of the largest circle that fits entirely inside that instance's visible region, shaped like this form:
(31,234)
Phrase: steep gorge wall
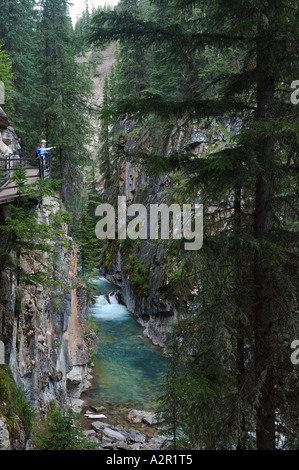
(133,264)
(48,344)
(44,328)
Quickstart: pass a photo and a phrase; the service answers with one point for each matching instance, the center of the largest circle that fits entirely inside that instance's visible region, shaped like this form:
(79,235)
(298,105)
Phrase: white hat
(43,141)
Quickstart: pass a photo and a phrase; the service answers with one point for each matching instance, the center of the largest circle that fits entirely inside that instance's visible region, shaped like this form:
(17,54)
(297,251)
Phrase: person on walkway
(41,153)
(22,151)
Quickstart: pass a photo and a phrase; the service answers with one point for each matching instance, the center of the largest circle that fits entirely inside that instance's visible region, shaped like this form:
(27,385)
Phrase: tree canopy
(222,62)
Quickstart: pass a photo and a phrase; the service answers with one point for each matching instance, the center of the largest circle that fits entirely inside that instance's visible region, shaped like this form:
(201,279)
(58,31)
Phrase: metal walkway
(8,167)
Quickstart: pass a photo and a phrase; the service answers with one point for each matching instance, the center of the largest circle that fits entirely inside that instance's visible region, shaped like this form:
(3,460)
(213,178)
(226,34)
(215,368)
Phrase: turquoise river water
(128,369)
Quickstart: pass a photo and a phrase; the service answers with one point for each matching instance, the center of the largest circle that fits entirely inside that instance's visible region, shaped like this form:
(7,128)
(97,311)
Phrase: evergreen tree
(106,166)
(28,238)
(66,89)
(85,237)
(60,432)
(130,69)
(6,77)
(237,384)
(18,34)
(82,28)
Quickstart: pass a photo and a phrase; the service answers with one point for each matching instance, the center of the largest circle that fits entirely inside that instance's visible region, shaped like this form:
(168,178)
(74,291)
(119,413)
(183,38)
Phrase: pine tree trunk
(62,157)
(62,161)
(265,429)
(240,362)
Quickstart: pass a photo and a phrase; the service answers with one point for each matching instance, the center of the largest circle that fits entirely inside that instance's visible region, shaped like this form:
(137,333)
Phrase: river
(128,368)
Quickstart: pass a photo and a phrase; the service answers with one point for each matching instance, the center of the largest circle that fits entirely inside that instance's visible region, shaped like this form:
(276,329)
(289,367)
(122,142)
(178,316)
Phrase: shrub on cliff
(60,432)
(13,403)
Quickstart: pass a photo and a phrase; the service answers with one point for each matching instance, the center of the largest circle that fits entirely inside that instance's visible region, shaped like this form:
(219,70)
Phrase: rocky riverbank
(141,432)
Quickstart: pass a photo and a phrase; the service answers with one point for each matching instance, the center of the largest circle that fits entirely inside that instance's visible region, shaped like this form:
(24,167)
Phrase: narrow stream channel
(128,369)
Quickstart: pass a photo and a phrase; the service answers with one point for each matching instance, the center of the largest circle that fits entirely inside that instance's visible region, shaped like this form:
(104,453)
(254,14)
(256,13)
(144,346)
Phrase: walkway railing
(34,167)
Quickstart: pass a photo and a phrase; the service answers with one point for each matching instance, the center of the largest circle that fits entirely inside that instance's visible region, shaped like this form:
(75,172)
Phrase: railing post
(50,165)
(3,171)
(39,167)
(8,169)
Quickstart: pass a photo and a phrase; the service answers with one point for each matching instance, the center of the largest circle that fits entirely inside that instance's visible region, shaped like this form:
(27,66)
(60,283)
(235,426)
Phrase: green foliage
(139,275)
(126,243)
(20,179)
(19,300)
(60,432)
(22,407)
(28,237)
(225,66)
(194,392)
(13,402)
(51,89)
(18,34)
(84,232)
(91,325)
(6,76)
(65,90)
(174,271)
(82,26)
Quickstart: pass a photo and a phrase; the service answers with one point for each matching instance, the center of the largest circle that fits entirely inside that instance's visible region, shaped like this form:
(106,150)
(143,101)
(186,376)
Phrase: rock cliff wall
(47,342)
(44,335)
(44,328)
(141,268)
(8,137)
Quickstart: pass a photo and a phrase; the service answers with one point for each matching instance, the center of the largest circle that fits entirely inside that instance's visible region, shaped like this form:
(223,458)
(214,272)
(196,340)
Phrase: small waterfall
(107,299)
(128,368)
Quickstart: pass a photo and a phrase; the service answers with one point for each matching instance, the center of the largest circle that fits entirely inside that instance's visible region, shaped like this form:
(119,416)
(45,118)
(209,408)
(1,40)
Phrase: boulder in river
(117,437)
(107,443)
(136,436)
(98,409)
(138,416)
(98,426)
(122,446)
(113,435)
